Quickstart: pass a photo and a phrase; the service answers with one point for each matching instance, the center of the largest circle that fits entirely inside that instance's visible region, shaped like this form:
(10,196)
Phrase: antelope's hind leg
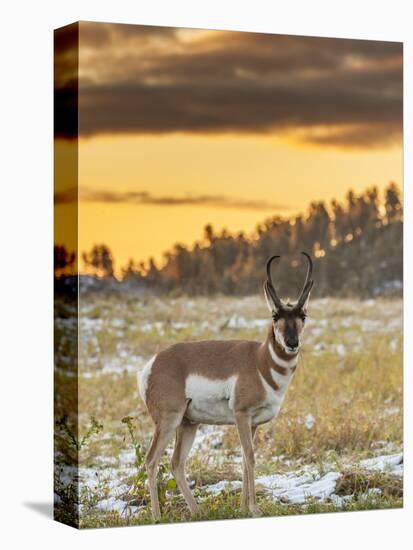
(185,436)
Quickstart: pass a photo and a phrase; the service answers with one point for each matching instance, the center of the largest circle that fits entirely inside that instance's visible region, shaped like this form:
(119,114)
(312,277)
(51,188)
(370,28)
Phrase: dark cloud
(144,197)
(67,196)
(160,80)
(102,34)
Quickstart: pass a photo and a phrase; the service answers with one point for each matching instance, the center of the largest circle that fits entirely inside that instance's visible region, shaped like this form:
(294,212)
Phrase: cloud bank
(139,80)
(144,197)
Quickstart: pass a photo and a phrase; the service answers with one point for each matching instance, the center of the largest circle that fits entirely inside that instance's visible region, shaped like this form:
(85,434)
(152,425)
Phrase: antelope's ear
(268,299)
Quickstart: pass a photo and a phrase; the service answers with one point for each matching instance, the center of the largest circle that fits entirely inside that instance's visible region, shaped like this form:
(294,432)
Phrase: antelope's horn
(308,285)
(270,286)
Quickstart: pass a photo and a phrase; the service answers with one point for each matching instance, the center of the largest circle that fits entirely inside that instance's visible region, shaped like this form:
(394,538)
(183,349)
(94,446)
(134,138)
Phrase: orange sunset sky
(179,128)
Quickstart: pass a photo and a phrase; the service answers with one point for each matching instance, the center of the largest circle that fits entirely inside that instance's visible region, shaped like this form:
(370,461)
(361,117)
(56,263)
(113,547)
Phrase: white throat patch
(282,362)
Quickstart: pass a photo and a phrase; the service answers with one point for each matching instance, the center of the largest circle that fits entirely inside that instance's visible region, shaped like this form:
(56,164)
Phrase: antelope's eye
(275,316)
(303,317)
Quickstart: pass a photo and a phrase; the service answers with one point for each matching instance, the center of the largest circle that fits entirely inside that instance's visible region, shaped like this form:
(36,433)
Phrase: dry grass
(349,380)
(359,482)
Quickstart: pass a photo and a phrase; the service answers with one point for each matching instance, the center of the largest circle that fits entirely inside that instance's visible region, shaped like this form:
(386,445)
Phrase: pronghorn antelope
(222,382)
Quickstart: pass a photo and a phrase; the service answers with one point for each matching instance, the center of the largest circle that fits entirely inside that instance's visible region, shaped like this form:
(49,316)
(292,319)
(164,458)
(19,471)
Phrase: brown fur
(214,359)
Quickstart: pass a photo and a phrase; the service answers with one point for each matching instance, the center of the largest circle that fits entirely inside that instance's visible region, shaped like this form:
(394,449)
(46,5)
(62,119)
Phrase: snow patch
(208,437)
(390,411)
(238,322)
(339,500)
(341,350)
(386,463)
(309,421)
(298,487)
(115,505)
(291,488)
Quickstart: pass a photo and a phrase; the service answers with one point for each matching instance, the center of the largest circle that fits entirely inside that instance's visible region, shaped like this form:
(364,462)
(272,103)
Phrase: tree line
(356,245)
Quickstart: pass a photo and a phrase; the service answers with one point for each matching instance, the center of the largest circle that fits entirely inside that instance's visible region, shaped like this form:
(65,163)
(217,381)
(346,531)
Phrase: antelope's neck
(274,358)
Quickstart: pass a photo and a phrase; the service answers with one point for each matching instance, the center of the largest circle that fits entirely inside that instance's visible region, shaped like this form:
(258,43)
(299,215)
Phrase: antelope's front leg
(245,434)
(244,494)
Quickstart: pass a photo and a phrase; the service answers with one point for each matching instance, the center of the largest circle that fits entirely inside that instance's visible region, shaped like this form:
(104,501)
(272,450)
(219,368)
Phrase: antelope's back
(209,358)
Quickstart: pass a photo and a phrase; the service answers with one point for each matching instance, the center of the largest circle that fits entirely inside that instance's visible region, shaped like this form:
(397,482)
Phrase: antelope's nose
(292,343)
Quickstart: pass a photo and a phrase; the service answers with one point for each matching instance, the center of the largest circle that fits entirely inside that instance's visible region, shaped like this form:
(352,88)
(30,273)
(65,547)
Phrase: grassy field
(336,444)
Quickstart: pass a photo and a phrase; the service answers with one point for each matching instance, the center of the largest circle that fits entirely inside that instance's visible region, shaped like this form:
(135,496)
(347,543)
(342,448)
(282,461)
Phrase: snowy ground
(297,487)
(356,319)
